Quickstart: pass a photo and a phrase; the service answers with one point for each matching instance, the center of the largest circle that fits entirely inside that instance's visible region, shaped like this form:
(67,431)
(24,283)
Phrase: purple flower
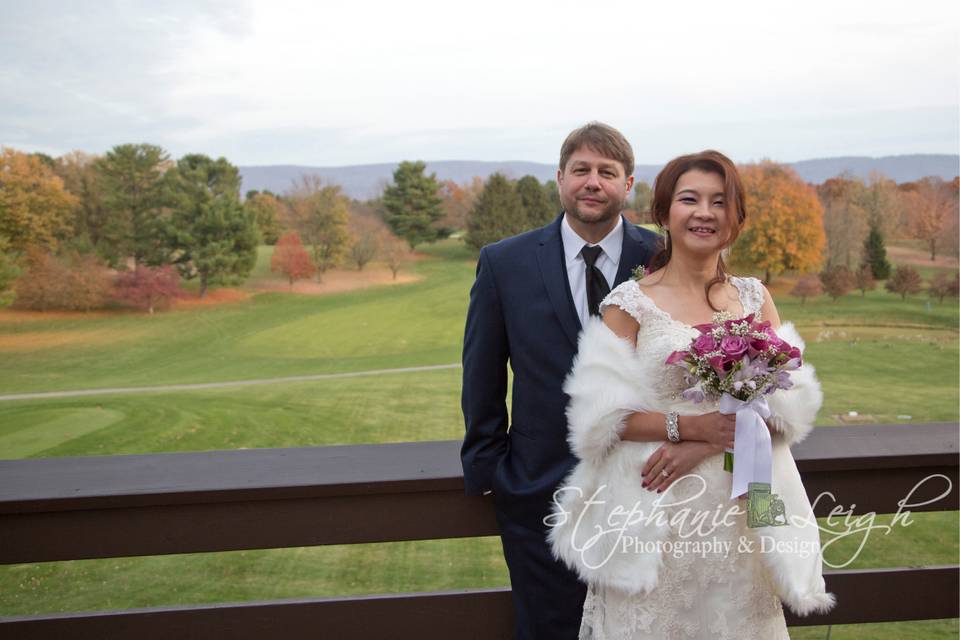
(694,394)
(705,343)
(733,347)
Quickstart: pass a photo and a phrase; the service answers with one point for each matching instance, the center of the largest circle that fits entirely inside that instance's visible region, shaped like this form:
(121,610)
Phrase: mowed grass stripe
(219,385)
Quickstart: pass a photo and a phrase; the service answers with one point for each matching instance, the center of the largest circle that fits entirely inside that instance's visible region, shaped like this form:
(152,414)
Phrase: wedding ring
(665,473)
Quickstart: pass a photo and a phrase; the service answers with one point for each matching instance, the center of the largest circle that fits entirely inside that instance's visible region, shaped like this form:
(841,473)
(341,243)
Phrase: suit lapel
(635,252)
(553,268)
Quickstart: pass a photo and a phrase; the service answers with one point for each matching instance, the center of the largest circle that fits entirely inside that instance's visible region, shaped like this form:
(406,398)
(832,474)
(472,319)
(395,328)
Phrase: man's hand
(677,459)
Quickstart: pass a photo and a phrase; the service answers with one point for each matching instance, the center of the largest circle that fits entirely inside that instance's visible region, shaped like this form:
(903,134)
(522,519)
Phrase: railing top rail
(71,483)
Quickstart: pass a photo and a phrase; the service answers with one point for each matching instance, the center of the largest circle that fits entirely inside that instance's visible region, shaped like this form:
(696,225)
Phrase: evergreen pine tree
(209,233)
(875,254)
(497,214)
(536,204)
(412,203)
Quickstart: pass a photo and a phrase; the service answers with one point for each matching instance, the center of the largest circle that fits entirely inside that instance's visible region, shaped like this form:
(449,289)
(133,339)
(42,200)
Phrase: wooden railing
(112,506)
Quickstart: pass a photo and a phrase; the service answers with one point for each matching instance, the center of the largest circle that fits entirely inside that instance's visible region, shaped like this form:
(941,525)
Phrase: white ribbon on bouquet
(752,448)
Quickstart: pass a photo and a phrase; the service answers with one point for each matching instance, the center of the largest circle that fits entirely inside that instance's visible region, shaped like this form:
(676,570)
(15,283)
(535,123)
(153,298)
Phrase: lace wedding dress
(720,594)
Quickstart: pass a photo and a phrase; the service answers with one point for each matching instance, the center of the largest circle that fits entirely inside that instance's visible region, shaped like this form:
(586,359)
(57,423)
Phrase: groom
(532,295)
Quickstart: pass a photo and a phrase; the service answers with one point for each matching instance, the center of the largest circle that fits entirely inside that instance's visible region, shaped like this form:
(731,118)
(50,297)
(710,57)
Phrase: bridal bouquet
(738,362)
(742,358)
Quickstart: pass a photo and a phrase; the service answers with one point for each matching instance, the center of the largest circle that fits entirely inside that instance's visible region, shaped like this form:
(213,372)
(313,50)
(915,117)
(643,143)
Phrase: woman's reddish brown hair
(665,184)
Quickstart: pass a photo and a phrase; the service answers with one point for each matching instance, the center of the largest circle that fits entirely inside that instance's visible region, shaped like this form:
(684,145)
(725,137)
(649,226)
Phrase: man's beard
(609,212)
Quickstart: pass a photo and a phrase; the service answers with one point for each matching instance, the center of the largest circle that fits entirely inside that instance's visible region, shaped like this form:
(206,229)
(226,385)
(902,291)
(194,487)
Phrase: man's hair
(601,138)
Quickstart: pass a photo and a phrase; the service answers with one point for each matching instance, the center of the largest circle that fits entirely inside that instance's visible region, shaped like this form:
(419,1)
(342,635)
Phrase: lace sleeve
(751,294)
(627,296)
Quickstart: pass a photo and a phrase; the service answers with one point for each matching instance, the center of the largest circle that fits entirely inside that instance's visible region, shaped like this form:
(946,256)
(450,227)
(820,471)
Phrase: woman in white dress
(697,570)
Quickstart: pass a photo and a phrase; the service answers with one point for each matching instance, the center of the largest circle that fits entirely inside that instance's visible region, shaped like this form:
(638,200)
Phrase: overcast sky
(338,83)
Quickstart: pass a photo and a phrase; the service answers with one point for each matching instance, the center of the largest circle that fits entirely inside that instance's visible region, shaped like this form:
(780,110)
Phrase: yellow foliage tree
(784,228)
(35,209)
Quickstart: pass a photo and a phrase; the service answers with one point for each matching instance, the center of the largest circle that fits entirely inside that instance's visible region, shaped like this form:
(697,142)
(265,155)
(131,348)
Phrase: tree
(35,209)
(951,238)
(320,214)
(412,204)
(457,201)
(93,225)
(291,259)
(927,208)
(134,195)
(844,220)
(536,205)
(642,199)
(785,228)
(875,254)
(73,283)
(837,281)
(209,234)
(807,286)
(395,254)
(268,211)
(944,284)
(904,280)
(863,279)
(148,288)
(553,195)
(9,271)
(367,235)
(497,214)
(879,198)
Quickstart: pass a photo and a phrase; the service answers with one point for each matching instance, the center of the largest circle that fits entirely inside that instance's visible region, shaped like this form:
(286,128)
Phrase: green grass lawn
(876,354)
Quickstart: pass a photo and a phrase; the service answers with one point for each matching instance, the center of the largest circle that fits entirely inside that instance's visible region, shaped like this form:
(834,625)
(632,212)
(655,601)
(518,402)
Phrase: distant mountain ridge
(367,180)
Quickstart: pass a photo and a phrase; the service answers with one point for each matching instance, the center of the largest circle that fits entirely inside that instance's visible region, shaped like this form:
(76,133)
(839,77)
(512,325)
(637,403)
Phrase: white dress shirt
(608,262)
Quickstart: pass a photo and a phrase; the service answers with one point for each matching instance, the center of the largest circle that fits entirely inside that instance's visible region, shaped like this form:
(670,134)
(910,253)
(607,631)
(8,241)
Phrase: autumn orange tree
(35,209)
(291,259)
(784,229)
(456,201)
(928,205)
(73,282)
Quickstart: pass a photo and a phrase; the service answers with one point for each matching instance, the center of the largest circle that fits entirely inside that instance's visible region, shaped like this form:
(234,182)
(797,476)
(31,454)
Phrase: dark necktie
(597,287)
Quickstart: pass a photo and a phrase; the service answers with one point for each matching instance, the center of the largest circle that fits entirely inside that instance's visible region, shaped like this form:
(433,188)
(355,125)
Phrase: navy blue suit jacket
(521,311)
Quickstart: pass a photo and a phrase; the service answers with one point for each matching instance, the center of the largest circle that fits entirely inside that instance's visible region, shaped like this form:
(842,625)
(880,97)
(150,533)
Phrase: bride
(646,517)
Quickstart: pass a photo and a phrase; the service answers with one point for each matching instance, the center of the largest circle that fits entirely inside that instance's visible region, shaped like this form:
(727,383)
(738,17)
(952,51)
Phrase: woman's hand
(677,459)
(715,428)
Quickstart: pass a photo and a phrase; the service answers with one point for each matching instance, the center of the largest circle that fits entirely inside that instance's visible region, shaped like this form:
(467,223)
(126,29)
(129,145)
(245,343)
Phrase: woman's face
(698,221)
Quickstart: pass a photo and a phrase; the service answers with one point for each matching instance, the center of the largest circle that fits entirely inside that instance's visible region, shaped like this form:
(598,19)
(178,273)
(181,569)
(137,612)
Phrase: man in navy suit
(532,295)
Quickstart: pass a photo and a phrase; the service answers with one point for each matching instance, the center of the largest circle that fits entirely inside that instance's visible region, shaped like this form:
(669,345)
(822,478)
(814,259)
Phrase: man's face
(593,188)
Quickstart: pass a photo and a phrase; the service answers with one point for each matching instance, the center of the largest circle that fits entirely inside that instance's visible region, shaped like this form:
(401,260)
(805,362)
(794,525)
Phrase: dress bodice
(660,334)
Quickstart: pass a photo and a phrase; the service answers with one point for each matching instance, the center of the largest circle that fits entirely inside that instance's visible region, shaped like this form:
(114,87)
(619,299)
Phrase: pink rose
(705,328)
(733,347)
(676,357)
(757,346)
(718,364)
(705,343)
(774,339)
